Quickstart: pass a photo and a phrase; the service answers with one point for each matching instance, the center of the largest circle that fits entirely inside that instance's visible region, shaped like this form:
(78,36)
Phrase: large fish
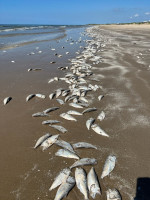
(65,145)
(113,194)
(93,184)
(81,181)
(49,142)
(41,140)
(84,161)
(101,116)
(108,166)
(89,123)
(83,145)
(30,97)
(50,109)
(67,117)
(89,110)
(65,188)
(50,122)
(61,178)
(7,99)
(99,131)
(59,128)
(66,153)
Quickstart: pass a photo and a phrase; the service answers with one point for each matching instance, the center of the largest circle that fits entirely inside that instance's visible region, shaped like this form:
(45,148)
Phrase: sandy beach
(118,56)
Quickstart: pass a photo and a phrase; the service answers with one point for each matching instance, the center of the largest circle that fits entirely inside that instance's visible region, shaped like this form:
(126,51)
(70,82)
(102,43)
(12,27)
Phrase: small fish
(89,110)
(89,123)
(84,104)
(66,153)
(75,105)
(100,97)
(40,114)
(7,99)
(101,116)
(59,128)
(51,80)
(108,166)
(81,181)
(98,130)
(73,112)
(58,93)
(42,96)
(83,99)
(67,117)
(52,62)
(30,97)
(49,142)
(83,145)
(61,178)
(37,69)
(113,194)
(60,101)
(41,140)
(48,110)
(64,145)
(51,96)
(65,188)
(50,122)
(84,161)
(93,184)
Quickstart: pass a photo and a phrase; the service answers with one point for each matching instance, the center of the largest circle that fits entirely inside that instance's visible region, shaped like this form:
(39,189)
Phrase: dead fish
(52,62)
(50,109)
(83,145)
(59,128)
(56,78)
(113,194)
(84,161)
(89,123)
(37,69)
(83,99)
(67,52)
(65,188)
(66,153)
(98,130)
(67,117)
(75,105)
(42,96)
(49,142)
(73,112)
(108,166)
(30,97)
(58,93)
(84,104)
(60,101)
(41,140)
(61,178)
(30,69)
(64,145)
(100,97)
(7,99)
(81,181)
(51,96)
(40,114)
(93,184)
(50,122)
(51,80)
(53,49)
(101,116)
(89,110)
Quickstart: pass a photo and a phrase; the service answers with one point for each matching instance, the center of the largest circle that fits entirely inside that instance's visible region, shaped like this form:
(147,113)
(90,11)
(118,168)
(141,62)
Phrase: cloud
(147,13)
(136,15)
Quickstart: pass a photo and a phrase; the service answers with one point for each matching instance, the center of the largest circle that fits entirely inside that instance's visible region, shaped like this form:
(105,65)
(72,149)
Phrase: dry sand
(123,74)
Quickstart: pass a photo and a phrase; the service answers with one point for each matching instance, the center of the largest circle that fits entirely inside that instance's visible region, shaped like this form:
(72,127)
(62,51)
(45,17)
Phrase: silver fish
(40,114)
(60,101)
(41,140)
(99,131)
(73,112)
(83,99)
(51,80)
(113,194)
(83,145)
(100,97)
(89,110)
(65,188)
(50,109)
(84,161)
(42,96)
(61,178)
(108,166)
(101,116)
(49,142)
(66,153)
(7,99)
(51,96)
(75,105)
(67,117)
(58,93)
(81,181)
(65,145)
(59,128)
(50,122)
(30,97)
(84,104)
(89,123)
(93,184)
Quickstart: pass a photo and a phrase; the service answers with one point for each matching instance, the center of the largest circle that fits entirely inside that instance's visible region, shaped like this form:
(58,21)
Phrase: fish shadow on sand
(143,189)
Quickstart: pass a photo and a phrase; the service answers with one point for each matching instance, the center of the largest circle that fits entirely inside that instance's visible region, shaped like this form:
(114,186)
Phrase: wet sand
(123,75)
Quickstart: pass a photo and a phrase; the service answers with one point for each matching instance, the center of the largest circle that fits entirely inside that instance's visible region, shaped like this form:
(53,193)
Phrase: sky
(73,12)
